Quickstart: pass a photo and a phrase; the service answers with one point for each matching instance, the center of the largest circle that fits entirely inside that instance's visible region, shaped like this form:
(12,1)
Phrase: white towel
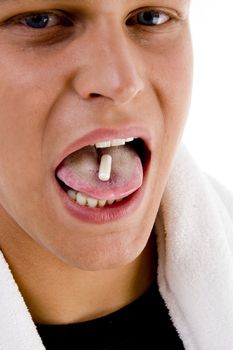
(194,229)
(195,248)
(17,330)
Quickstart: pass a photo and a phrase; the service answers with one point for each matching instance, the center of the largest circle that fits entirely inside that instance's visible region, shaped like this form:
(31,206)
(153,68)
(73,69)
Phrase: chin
(102,253)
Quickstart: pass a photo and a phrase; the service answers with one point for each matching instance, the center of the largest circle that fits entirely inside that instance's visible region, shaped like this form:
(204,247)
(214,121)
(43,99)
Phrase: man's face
(74,74)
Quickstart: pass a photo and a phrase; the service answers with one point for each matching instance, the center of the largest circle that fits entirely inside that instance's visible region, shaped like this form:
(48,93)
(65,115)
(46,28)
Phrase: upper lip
(103,134)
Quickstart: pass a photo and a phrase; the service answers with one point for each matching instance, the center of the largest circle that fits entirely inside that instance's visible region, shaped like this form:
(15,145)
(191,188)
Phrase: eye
(149,18)
(42,20)
(39,21)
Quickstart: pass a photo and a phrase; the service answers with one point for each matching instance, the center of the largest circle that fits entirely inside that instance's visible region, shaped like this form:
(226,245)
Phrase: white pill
(105,167)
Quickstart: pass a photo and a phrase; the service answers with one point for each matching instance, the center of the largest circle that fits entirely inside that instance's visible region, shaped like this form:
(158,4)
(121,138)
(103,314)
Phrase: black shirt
(143,324)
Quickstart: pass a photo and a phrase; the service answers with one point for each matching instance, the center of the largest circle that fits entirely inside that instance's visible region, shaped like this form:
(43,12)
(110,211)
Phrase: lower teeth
(90,202)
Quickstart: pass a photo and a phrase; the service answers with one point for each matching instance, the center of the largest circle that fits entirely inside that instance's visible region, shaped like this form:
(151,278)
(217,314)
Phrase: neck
(58,294)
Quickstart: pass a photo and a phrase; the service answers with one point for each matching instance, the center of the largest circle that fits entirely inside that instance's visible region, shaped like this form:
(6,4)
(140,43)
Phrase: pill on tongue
(80,169)
(105,167)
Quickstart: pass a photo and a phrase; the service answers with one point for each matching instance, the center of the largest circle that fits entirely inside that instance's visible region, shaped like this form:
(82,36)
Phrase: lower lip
(116,211)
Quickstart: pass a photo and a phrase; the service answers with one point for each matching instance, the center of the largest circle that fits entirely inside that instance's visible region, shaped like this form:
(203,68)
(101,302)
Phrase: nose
(107,67)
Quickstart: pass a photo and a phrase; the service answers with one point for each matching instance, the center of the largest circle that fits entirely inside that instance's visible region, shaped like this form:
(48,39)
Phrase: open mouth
(78,173)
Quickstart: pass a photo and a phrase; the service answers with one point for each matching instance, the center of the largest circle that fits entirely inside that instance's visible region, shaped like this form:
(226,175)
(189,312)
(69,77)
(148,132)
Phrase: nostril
(94,95)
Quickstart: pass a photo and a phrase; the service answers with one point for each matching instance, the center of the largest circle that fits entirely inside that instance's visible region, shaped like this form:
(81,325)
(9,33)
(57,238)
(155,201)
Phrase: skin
(140,75)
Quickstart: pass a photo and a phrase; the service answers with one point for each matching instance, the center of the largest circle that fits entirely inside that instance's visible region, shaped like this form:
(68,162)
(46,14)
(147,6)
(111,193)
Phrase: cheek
(172,83)
(23,111)
(170,75)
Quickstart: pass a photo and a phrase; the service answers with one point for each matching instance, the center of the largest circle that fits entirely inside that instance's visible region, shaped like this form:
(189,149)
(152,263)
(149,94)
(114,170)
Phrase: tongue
(80,172)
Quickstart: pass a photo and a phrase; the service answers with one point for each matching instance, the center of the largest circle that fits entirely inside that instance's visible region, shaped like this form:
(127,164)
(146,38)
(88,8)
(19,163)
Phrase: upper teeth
(114,142)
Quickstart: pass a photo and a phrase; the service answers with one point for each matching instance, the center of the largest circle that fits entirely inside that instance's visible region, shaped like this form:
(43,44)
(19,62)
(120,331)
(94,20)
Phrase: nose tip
(119,90)
(126,93)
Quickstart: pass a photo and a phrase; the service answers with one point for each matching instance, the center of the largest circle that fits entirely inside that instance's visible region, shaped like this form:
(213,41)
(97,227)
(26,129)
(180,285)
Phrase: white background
(209,131)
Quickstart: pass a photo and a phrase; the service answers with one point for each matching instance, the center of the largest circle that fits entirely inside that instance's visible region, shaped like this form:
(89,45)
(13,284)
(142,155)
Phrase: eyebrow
(5,1)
